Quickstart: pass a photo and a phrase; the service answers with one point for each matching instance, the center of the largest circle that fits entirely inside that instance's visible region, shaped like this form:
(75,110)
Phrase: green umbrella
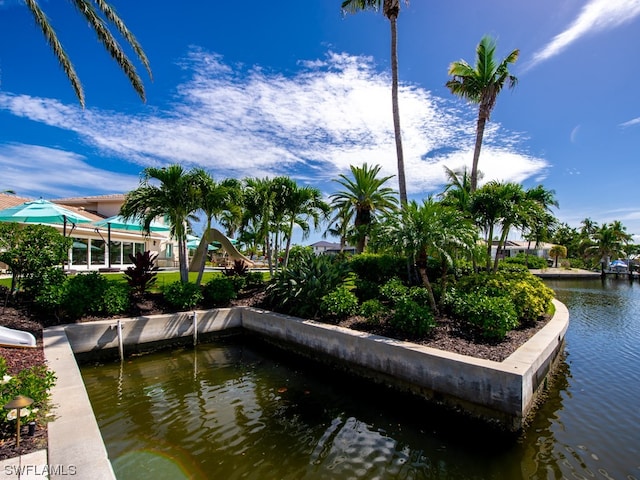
(134,224)
(42,211)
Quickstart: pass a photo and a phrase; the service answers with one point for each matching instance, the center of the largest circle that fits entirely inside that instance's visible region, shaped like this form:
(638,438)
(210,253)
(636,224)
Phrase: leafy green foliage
(181,295)
(93,294)
(33,382)
(340,303)
(530,261)
(530,297)
(219,291)
(378,268)
(394,290)
(143,274)
(298,290)
(254,279)
(492,316)
(30,250)
(374,311)
(412,318)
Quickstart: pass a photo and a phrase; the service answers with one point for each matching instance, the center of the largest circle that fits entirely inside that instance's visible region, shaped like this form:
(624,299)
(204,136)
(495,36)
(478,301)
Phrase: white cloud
(574,134)
(596,16)
(334,112)
(36,171)
(630,123)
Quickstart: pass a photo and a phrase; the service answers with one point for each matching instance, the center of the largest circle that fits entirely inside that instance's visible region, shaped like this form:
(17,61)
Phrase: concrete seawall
(503,392)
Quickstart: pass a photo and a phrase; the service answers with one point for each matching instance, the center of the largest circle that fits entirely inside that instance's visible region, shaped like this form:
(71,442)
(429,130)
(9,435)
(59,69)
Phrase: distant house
(513,247)
(330,248)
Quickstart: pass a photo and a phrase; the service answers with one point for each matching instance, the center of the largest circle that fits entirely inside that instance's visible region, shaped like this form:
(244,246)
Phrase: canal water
(238,409)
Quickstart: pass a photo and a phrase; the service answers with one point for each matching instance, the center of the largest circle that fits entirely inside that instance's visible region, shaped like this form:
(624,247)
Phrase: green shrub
(420,295)
(378,268)
(394,290)
(492,316)
(83,295)
(339,303)
(529,261)
(238,282)
(298,289)
(374,311)
(254,279)
(116,299)
(182,296)
(366,289)
(33,382)
(531,298)
(50,297)
(219,291)
(512,268)
(412,318)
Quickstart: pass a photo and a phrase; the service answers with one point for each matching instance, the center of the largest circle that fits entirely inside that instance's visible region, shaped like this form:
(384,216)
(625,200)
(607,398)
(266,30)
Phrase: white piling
(120,341)
(195,328)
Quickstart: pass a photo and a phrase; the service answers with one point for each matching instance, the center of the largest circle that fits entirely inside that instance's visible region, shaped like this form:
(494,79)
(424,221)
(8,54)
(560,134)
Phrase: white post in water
(120,342)
(195,328)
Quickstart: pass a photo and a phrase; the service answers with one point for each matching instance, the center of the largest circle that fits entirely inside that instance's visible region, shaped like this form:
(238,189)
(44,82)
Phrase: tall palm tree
(482,85)
(175,198)
(391,10)
(98,14)
(362,199)
(607,243)
(457,190)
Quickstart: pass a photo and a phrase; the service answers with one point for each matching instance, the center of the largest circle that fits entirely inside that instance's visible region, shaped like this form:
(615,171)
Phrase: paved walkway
(32,466)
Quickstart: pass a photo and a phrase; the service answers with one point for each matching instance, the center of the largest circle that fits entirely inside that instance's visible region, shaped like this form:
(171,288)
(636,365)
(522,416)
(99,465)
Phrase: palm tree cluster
(262,212)
(595,245)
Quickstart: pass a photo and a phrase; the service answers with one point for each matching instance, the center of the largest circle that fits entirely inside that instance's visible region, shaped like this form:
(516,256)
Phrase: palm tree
(362,199)
(482,85)
(98,19)
(213,199)
(429,229)
(391,10)
(607,243)
(175,198)
(304,204)
(558,251)
(457,190)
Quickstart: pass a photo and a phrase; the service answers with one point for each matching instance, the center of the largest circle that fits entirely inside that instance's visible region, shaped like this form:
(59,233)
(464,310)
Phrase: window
(80,251)
(115,253)
(98,252)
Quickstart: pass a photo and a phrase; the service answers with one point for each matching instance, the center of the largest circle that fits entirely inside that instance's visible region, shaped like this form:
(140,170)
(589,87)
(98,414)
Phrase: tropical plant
(429,229)
(558,251)
(175,198)
(30,251)
(609,240)
(391,10)
(214,199)
(303,205)
(362,199)
(481,85)
(219,291)
(299,289)
(143,273)
(182,295)
(340,303)
(98,19)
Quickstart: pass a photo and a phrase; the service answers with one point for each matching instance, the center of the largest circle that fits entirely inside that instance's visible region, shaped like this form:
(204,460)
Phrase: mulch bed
(446,336)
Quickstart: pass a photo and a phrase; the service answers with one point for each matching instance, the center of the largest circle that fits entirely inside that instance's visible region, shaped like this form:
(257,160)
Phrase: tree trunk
(482,120)
(288,247)
(427,284)
(402,184)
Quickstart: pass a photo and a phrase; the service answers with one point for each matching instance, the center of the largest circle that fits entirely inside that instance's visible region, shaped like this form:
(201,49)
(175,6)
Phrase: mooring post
(195,328)
(120,341)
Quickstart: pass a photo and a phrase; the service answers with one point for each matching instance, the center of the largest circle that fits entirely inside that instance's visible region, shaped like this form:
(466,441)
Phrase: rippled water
(235,409)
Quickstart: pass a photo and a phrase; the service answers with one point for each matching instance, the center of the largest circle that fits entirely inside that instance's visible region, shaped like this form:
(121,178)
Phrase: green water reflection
(237,409)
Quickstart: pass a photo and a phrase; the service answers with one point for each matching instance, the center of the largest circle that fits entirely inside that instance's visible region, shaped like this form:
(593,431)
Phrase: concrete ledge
(504,392)
(497,391)
(75,441)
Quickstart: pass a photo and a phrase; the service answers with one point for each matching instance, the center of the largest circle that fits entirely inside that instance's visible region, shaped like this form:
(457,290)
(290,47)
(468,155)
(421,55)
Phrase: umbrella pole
(64,225)
(109,243)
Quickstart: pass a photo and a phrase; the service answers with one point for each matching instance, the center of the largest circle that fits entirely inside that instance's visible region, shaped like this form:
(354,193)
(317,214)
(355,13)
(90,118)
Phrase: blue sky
(295,88)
